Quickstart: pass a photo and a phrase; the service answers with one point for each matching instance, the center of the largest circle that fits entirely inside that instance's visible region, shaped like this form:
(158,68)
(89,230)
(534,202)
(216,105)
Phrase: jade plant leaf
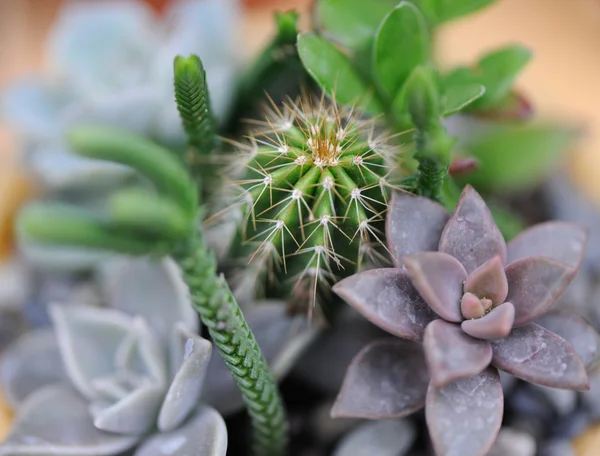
(335,74)
(352,23)
(513,158)
(464,417)
(539,356)
(447,10)
(401,44)
(56,420)
(387,298)
(457,97)
(387,379)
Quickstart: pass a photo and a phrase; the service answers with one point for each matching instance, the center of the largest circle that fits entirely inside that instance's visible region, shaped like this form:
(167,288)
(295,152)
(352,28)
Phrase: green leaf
(157,164)
(421,98)
(401,44)
(451,9)
(513,158)
(497,71)
(59,224)
(191,95)
(141,211)
(351,23)
(459,97)
(334,73)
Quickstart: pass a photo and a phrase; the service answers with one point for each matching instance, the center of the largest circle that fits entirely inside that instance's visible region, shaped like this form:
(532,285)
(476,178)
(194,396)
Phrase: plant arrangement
(339,189)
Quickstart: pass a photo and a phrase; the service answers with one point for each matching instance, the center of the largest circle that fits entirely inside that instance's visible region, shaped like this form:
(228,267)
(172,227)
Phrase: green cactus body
(312,190)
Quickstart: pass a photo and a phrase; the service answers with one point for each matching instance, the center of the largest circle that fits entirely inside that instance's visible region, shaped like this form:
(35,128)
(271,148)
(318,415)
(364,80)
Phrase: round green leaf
(451,9)
(459,97)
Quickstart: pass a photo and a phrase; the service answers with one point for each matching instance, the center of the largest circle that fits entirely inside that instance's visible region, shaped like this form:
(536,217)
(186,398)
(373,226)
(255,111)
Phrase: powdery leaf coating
(464,417)
(537,355)
(471,235)
(387,298)
(561,241)
(56,420)
(452,355)
(439,279)
(413,224)
(488,281)
(577,331)
(494,325)
(387,379)
(534,284)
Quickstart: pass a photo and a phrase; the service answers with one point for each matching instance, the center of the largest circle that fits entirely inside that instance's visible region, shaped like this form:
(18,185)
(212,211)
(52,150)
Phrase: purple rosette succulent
(466,304)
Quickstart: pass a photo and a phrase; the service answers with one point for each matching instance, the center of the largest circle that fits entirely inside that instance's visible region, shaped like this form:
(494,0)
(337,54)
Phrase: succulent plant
(124,372)
(111,65)
(311,190)
(473,304)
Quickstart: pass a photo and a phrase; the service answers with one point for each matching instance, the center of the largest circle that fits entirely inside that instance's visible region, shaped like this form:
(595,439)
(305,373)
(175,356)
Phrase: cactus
(311,190)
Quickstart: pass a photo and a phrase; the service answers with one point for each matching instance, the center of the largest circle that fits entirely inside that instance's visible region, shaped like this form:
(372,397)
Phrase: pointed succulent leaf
(464,417)
(88,339)
(413,224)
(471,235)
(29,363)
(439,278)
(204,434)
(534,284)
(537,355)
(494,325)
(55,420)
(387,298)
(561,241)
(452,355)
(577,331)
(488,281)
(135,414)
(381,438)
(387,379)
(154,290)
(334,72)
(401,44)
(185,389)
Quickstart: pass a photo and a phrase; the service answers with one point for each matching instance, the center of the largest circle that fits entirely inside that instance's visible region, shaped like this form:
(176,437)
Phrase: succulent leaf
(471,235)
(539,356)
(387,379)
(561,241)
(494,325)
(387,298)
(488,281)
(534,284)
(414,224)
(464,417)
(452,355)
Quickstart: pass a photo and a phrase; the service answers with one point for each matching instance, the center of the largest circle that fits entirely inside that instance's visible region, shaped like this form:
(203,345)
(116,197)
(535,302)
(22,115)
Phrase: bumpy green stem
(223,317)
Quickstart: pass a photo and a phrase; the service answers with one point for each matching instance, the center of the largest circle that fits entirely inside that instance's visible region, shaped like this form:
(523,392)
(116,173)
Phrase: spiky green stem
(221,314)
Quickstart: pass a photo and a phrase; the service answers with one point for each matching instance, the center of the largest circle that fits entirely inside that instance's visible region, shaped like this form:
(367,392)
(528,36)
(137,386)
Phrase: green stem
(223,317)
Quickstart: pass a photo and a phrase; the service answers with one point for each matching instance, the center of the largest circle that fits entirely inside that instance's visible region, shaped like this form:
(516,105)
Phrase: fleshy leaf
(439,278)
(561,241)
(135,414)
(401,44)
(448,10)
(494,325)
(387,379)
(413,224)
(55,420)
(205,434)
(534,284)
(457,97)
(88,338)
(186,387)
(488,281)
(539,356)
(387,298)
(334,73)
(29,363)
(381,438)
(471,235)
(452,355)
(577,331)
(154,290)
(464,417)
